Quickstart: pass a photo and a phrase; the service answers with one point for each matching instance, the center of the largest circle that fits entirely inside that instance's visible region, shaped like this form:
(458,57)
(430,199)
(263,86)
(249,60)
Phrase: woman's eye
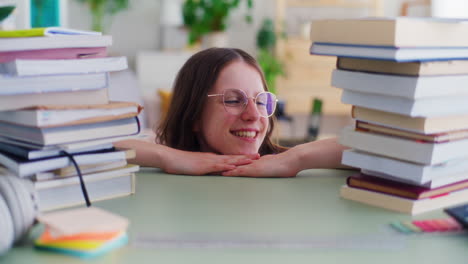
(232,101)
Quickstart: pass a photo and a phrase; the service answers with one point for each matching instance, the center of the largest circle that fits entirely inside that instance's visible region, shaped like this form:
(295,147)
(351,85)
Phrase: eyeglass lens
(235,102)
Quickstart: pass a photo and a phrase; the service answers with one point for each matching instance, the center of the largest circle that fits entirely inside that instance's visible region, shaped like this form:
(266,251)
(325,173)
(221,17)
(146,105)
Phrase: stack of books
(56,120)
(407,81)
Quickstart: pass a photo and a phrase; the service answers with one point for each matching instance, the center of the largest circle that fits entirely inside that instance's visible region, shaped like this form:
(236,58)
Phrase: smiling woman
(220,121)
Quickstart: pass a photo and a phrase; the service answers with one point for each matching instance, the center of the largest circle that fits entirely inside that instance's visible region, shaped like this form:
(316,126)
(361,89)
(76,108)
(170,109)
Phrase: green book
(45,31)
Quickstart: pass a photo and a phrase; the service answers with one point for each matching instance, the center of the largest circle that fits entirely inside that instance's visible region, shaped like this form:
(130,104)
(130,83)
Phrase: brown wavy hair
(193,82)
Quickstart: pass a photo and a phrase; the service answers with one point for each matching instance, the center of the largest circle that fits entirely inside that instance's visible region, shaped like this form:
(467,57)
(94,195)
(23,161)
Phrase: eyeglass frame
(246,102)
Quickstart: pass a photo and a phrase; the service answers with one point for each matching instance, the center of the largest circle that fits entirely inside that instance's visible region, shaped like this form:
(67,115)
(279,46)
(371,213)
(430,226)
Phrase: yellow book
(45,31)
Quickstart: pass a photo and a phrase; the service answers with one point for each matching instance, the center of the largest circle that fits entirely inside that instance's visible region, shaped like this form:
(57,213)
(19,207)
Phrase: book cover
(368,182)
(54,54)
(404,149)
(397,32)
(424,107)
(64,115)
(425,125)
(62,41)
(403,205)
(431,138)
(390,53)
(69,134)
(427,68)
(44,31)
(412,87)
(410,172)
(52,83)
(72,98)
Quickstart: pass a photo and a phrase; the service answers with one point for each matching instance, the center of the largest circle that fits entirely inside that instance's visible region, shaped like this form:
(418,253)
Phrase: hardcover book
(412,87)
(424,125)
(54,54)
(427,68)
(56,42)
(404,205)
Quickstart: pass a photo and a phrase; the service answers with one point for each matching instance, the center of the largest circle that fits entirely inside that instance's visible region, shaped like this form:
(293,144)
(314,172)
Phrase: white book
(70,134)
(25,168)
(410,172)
(12,85)
(404,149)
(401,54)
(60,115)
(425,107)
(66,192)
(412,87)
(23,67)
(85,169)
(55,42)
(401,204)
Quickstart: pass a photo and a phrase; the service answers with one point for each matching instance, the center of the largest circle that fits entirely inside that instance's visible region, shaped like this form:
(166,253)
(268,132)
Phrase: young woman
(220,121)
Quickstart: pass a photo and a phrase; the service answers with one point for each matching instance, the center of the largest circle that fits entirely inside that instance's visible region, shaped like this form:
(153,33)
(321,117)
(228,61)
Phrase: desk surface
(212,219)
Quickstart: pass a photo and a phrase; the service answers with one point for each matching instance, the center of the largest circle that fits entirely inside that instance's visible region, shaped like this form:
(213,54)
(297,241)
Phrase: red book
(54,54)
(372,183)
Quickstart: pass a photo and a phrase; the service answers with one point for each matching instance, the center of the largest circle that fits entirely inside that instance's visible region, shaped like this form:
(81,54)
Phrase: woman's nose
(250,112)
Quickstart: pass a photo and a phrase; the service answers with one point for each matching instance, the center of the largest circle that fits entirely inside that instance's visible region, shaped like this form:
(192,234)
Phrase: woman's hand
(201,163)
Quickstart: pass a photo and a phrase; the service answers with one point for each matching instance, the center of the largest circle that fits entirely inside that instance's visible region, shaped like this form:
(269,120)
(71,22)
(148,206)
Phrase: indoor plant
(99,8)
(202,17)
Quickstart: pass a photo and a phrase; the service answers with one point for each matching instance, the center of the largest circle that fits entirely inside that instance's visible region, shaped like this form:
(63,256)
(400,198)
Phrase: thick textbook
(404,205)
(56,42)
(398,32)
(424,107)
(18,101)
(66,192)
(412,87)
(69,134)
(423,125)
(64,115)
(25,168)
(427,68)
(22,67)
(45,31)
(404,149)
(54,54)
(435,138)
(52,83)
(368,182)
(389,53)
(410,172)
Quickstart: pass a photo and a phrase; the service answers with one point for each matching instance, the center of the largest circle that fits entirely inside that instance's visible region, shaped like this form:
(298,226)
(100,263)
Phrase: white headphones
(18,210)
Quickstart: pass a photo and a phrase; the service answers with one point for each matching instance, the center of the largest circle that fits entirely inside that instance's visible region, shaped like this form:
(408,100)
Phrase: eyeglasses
(236,100)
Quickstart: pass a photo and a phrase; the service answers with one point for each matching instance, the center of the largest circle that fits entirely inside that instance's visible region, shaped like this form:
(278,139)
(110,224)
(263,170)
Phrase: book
(408,54)
(44,31)
(54,54)
(434,138)
(63,115)
(426,68)
(85,169)
(66,192)
(23,67)
(397,31)
(52,83)
(409,172)
(404,205)
(56,42)
(404,149)
(426,125)
(367,182)
(32,154)
(18,101)
(425,107)
(27,168)
(412,87)
(69,134)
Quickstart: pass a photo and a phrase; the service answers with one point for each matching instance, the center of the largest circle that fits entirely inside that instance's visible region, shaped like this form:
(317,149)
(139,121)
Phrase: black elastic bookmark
(80,176)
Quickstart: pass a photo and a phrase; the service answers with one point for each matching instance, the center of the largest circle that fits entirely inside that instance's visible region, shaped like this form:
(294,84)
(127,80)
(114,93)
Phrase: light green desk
(211,219)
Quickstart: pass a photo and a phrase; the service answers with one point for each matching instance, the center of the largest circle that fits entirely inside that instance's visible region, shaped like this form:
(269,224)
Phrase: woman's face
(225,133)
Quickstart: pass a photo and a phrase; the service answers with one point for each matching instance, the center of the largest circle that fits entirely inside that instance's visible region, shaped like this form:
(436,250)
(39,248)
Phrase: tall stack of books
(407,79)
(57,124)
